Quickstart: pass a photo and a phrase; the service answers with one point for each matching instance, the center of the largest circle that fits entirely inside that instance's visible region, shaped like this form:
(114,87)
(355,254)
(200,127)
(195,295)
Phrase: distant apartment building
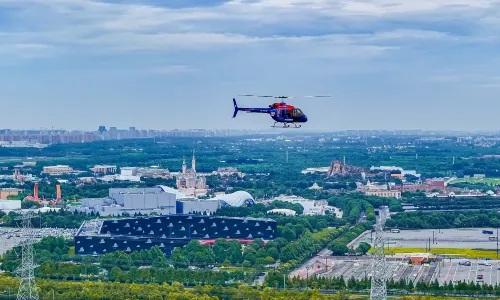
(413,188)
(436,183)
(383,193)
(58,170)
(5,192)
(103,169)
(429,186)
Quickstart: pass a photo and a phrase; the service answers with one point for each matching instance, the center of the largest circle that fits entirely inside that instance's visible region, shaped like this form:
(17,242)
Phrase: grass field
(488,181)
(452,252)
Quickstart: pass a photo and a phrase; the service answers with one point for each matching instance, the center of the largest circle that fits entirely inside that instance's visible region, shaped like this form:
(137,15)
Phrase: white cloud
(97,27)
(26,51)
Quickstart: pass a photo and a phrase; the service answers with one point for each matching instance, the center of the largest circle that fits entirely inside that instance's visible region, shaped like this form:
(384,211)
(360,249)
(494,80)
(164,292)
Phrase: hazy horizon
(399,64)
(295,131)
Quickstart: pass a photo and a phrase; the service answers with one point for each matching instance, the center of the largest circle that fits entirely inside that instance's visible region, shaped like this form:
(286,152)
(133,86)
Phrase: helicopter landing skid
(289,125)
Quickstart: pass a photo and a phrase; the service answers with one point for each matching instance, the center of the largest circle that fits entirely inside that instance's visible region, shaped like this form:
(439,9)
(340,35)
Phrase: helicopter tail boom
(249,109)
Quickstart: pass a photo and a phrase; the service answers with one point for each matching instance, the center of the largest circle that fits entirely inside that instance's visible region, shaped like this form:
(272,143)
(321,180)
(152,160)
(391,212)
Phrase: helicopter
(281,112)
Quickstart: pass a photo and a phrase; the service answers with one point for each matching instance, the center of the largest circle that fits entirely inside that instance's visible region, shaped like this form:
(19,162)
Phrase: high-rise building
(102,129)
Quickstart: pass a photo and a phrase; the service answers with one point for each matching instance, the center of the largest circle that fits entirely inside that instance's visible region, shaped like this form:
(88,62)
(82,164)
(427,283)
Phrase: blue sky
(388,64)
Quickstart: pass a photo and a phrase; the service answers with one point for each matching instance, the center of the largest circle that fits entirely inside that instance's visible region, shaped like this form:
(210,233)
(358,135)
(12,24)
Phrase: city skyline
(387,64)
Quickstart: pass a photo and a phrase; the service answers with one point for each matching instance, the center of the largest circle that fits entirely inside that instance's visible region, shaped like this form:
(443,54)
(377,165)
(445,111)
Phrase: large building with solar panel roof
(97,237)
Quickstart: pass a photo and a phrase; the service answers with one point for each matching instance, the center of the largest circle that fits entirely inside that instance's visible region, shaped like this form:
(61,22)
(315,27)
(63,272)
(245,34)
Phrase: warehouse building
(97,237)
(160,200)
(131,201)
(9,205)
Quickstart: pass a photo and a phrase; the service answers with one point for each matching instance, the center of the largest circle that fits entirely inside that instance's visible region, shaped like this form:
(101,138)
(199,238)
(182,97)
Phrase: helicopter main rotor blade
(308,96)
(283,97)
(258,96)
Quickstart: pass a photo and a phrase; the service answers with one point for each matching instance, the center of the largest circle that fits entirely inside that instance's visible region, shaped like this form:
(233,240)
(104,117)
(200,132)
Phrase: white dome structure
(178,194)
(235,199)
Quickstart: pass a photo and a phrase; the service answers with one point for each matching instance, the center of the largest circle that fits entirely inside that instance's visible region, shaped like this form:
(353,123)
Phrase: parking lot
(7,244)
(453,271)
(10,237)
(465,238)
(398,268)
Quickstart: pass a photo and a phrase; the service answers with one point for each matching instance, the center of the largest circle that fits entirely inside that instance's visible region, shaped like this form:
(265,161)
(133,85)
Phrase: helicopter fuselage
(280,112)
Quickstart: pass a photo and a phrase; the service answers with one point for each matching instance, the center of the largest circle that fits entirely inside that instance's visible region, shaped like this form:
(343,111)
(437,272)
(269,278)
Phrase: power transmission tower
(379,285)
(26,271)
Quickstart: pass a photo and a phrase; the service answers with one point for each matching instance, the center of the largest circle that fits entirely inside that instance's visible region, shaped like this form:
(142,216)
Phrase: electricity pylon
(26,271)
(379,284)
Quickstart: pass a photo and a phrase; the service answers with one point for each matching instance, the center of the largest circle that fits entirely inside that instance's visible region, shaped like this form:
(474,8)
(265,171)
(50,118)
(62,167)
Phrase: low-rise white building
(103,169)
(311,207)
(9,205)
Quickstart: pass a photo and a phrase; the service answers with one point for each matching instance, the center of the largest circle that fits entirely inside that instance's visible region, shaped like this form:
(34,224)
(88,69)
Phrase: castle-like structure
(189,182)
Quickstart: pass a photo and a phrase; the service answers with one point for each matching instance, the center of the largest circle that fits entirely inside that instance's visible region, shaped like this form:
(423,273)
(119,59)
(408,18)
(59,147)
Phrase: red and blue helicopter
(281,112)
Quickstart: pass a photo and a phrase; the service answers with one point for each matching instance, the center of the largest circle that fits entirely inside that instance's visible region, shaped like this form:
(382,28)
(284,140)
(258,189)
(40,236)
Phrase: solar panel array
(170,231)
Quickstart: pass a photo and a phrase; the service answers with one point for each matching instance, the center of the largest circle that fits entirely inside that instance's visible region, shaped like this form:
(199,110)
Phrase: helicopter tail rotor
(236,109)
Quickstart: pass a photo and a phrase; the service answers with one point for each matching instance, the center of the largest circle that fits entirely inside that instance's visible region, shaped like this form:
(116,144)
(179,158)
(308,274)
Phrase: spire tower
(184,165)
(193,163)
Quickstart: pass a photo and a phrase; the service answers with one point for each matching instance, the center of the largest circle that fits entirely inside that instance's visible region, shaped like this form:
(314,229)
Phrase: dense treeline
(275,279)
(60,219)
(311,243)
(455,203)
(284,181)
(49,249)
(289,227)
(434,159)
(89,290)
(138,267)
(228,253)
(339,245)
(353,204)
(258,209)
(154,291)
(79,272)
(450,219)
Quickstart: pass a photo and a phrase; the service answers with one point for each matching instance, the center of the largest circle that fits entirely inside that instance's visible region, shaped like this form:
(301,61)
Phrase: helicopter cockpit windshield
(297,113)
